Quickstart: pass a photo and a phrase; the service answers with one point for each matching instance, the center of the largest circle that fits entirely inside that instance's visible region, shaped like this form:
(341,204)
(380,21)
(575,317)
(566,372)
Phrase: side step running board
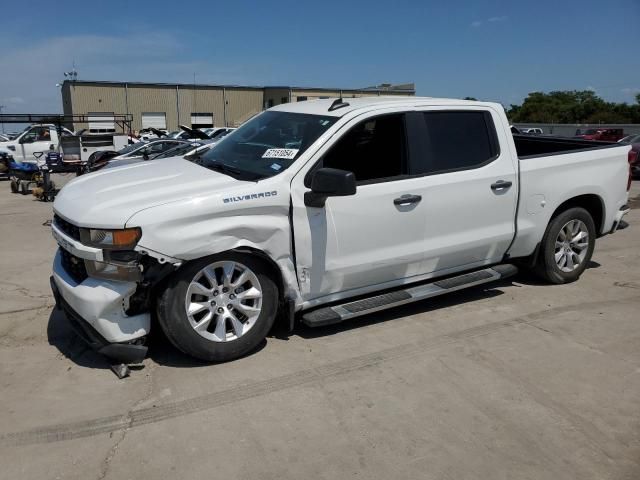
(339,313)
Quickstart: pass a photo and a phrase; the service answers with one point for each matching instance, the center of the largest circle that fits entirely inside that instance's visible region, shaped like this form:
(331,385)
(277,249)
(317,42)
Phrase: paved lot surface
(520,380)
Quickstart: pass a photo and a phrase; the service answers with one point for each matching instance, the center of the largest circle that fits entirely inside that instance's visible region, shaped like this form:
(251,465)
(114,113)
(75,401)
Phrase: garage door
(154,120)
(201,120)
(101,122)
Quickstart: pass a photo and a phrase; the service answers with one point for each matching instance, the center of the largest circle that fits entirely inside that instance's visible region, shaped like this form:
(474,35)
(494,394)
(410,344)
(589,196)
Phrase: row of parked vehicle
(29,158)
(155,145)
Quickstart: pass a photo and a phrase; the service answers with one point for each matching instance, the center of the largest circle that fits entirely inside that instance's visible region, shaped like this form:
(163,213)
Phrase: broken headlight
(113,271)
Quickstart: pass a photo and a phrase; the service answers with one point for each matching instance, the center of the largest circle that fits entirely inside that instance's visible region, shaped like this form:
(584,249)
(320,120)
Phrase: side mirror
(329,182)
(27,139)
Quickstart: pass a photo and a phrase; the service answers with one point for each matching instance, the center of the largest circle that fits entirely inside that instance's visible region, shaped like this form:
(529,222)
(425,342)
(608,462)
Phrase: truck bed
(530,146)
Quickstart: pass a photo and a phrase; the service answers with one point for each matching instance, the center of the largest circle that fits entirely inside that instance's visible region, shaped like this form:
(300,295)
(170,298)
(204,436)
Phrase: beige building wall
(230,106)
(242,104)
(94,98)
(147,99)
(201,100)
(275,96)
(315,94)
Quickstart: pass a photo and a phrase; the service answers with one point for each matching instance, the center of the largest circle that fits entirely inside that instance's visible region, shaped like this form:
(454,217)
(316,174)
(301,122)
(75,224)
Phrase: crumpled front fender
(183,231)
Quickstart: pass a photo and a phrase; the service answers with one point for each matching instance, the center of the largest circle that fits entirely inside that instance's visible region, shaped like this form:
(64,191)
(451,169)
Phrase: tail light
(632,158)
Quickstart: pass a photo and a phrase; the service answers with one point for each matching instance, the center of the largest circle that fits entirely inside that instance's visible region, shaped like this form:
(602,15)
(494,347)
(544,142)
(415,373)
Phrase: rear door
(470,186)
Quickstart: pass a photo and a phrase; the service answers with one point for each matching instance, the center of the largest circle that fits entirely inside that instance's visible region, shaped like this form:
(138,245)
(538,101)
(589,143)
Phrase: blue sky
(492,50)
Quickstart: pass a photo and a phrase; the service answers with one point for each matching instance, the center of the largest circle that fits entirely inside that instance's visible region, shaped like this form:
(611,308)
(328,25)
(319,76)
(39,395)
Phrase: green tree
(573,106)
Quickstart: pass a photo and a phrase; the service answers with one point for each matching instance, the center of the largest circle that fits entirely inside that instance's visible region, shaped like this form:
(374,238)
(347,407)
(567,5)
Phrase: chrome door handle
(407,199)
(500,185)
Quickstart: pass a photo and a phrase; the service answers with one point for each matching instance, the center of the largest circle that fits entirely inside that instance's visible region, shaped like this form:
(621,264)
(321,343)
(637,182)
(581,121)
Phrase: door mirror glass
(329,182)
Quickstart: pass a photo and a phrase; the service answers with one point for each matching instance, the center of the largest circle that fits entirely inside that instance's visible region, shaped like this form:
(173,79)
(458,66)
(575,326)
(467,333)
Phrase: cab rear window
(458,140)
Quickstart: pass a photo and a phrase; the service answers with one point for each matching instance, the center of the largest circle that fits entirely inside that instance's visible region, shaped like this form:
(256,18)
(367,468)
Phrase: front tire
(219,308)
(567,246)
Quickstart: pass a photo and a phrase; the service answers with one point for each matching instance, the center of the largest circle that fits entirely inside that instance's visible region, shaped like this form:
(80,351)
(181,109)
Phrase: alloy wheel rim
(223,301)
(571,245)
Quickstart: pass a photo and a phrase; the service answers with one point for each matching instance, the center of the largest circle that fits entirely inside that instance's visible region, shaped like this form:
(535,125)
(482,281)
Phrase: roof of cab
(321,107)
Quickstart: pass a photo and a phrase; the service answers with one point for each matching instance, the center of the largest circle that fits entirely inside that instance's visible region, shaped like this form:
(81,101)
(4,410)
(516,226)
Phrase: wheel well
(591,203)
(269,263)
(281,316)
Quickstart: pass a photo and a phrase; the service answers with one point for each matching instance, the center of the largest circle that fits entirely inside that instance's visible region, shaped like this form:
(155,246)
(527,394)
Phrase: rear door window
(457,140)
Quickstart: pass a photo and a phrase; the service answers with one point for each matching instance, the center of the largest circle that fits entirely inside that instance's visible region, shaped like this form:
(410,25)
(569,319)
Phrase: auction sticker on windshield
(286,153)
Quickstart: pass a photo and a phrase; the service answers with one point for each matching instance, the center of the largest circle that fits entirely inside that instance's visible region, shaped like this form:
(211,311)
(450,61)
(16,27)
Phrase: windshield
(266,145)
(218,133)
(131,148)
(178,151)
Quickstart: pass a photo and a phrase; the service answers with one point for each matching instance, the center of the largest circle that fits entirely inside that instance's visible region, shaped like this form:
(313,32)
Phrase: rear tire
(567,246)
(218,308)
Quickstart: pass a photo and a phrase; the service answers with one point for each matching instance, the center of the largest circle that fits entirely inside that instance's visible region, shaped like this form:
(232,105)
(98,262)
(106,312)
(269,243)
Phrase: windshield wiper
(233,172)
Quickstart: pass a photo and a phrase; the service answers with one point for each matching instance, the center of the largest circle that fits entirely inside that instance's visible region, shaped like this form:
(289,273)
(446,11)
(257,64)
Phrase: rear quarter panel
(548,181)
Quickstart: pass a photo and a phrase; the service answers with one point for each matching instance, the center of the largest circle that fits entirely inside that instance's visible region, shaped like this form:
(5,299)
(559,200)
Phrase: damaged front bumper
(96,309)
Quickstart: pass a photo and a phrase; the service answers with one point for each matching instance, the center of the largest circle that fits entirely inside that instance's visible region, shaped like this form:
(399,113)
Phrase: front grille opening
(139,301)
(66,227)
(74,266)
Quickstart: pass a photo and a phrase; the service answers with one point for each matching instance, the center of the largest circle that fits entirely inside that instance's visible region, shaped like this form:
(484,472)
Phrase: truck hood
(107,199)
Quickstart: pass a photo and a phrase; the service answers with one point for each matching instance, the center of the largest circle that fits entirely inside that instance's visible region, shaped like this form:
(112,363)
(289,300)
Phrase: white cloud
(630,91)
(35,69)
(478,23)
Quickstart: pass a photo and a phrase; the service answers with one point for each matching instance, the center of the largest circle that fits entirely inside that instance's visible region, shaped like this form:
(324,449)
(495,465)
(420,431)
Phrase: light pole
(2,107)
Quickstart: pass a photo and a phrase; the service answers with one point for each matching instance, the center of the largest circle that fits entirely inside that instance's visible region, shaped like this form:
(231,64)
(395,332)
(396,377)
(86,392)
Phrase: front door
(370,238)
(38,139)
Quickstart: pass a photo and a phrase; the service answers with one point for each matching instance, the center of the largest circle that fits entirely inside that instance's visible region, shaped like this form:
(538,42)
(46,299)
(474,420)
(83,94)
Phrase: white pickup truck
(36,138)
(323,211)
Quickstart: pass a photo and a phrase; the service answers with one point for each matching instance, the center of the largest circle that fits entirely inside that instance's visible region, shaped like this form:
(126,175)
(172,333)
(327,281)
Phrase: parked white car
(532,131)
(217,132)
(324,211)
(143,151)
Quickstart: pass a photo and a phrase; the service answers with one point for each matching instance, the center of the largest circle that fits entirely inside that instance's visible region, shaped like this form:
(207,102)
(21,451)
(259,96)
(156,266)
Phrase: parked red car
(602,134)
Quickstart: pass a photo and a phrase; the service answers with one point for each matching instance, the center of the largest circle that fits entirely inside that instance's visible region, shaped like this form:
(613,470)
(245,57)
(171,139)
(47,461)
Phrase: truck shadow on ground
(424,306)
(162,352)
(61,335)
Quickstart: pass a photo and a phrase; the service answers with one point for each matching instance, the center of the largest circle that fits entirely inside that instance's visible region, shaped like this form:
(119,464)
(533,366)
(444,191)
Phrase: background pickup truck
(323,211)
(36,138)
